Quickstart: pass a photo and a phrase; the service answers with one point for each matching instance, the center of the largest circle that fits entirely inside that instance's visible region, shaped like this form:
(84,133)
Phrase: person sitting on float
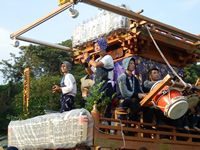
(128,87)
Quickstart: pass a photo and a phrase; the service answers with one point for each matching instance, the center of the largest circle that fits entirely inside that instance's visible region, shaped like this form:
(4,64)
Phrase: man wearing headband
(102,68)
(128,87)
(67,87)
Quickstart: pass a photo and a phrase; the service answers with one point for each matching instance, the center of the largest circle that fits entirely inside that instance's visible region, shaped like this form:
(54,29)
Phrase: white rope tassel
(165,58)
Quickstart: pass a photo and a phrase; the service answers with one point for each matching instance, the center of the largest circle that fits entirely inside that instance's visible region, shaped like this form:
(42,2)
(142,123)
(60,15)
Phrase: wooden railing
(131,135)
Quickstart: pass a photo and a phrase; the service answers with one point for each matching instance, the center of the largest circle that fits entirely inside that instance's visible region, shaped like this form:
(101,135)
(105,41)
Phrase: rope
(122,135)
(165,58)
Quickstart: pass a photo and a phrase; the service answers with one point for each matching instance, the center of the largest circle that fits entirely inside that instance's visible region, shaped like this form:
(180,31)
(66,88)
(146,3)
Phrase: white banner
(102,24)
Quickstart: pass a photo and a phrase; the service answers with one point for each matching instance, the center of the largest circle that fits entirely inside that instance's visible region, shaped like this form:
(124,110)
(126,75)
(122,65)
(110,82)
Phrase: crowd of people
(128,88)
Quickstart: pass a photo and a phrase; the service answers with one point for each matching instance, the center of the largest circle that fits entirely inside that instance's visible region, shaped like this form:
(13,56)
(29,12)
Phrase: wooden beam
(197,43)
(41,20)
(126,55)
(90,49)
(170,40)
(135,16)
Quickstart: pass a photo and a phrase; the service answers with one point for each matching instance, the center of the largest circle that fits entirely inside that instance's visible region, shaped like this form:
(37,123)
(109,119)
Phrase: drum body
(192,100)
(171,102)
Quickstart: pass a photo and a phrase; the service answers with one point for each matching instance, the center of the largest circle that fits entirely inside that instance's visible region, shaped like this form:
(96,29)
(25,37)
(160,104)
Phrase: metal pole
(68,49)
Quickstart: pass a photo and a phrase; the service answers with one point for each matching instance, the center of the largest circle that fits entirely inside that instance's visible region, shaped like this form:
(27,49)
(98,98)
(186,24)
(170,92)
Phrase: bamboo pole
(41,20)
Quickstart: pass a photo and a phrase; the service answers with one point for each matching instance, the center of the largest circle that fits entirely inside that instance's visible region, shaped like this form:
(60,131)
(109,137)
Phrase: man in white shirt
(102,69)
(67,87)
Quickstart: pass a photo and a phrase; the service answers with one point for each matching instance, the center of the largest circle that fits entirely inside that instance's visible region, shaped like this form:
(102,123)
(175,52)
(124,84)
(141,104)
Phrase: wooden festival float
(132,38)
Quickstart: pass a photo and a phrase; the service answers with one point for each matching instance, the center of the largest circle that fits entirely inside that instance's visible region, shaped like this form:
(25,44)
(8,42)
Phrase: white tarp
(56,130)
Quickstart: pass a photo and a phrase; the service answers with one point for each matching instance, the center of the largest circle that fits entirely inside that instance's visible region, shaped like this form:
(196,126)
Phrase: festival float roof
(132,38)
(179,47)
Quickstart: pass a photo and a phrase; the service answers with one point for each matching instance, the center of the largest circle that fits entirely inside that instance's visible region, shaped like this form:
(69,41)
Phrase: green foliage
(4,123)
(36,107)
(43,88)
(12,72)
(6,98)
(192,73)
(41,98)
(95,96)
(17,110)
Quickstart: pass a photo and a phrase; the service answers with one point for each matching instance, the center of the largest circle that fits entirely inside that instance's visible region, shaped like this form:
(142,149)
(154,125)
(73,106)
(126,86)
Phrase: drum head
(178,109)
(192,100)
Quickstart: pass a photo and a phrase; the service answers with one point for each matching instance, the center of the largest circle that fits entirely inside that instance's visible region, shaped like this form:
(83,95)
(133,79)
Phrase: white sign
(102,24)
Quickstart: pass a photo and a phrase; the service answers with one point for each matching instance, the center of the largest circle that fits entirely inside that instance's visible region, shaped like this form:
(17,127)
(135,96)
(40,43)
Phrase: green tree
(44,64)
(41,60)
(7,94)
(192,73)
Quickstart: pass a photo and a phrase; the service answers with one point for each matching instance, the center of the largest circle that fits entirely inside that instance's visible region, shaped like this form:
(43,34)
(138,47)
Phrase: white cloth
(70,85)
(108,64)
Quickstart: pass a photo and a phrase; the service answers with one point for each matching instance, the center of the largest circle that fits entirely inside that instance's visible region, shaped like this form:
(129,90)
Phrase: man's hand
(141,95)
(56,89)
(83,60)
(86,55)
(85,92)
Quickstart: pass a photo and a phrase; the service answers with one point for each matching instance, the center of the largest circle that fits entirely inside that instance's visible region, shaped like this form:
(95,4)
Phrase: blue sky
(16,14)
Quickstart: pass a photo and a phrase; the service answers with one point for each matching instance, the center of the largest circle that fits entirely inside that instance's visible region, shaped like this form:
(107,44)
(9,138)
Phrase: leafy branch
(95,95)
